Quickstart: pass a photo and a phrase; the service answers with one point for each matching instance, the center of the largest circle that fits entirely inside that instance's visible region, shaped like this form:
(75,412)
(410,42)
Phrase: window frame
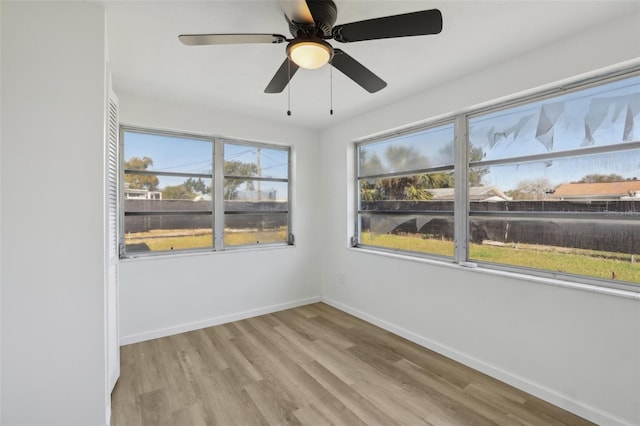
(217,178)
(355,239)
(462,166)
(220,158)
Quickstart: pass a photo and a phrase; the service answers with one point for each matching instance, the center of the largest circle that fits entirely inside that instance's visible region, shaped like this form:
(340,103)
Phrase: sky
(603,115)
(191,155)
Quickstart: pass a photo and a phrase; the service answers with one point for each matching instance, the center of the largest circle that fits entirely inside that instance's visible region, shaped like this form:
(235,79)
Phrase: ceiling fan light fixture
(310,54)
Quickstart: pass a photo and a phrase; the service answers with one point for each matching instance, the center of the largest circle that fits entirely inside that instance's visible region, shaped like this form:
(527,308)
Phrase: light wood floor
(312,365)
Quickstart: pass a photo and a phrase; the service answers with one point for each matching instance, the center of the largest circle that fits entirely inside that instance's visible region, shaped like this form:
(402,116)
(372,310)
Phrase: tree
(400,158)
(196,186)
(531,189)
(476,175)
(238,168)
(148,182)
(177,192)
(370,164)
(597,178)
(413,187)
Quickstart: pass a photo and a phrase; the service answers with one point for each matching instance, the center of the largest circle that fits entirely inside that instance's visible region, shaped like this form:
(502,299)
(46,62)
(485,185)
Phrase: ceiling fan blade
(207,39)
(296,11)
(357,72)
(282,77)
(405,25)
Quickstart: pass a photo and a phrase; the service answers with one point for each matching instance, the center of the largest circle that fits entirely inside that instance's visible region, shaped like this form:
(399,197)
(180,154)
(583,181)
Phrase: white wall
(169,294)
(576,348)
(52,219)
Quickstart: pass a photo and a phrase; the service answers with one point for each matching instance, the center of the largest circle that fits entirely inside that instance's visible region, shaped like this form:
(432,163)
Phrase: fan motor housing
(324,15)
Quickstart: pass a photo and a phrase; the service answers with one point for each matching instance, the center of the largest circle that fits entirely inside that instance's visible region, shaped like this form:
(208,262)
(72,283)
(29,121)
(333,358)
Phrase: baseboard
(223,319)
(549,395)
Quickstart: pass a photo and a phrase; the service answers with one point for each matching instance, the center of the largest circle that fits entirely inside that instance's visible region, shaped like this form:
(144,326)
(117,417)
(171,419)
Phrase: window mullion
(218,194)
(461,202)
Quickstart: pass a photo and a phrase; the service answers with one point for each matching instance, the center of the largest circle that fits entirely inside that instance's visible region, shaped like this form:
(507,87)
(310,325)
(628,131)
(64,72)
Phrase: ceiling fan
(311,24)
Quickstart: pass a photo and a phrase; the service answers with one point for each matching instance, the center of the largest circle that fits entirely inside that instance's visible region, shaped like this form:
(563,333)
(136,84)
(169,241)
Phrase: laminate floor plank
(191,415)
(233,404)
(176,373)
(461,396)
(203,353)
(312,365)
(514,412)
(274,372)
(311,415)
(126,406)
(358,404)
(245,371)
(273,403)
(282,360)
(263,330)
(448,407)
(311,330)
(154,408)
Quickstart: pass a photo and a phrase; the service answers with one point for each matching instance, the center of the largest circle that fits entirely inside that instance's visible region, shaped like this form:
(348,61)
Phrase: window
(256,194)
(553,187)
(406,192)
(569,169)
(171,201)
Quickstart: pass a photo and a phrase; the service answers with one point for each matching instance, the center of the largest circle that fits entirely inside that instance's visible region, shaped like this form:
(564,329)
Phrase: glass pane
(167,232)
(422,187)
(248,229)
(602,115)
(559,184)
(247,160)
(153,152)
(606,249)
(164,192)
(417,233)
(255,190)
(415,151)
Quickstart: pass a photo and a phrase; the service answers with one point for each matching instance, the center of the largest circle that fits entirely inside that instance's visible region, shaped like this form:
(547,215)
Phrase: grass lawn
(573,261)
(161,240)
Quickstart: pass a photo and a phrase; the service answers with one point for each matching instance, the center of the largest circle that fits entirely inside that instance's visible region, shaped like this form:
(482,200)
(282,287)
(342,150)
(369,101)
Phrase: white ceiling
(148,60)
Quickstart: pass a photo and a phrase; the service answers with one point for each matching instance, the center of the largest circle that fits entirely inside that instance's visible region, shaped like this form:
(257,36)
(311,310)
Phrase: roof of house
(601,189)
(476,193)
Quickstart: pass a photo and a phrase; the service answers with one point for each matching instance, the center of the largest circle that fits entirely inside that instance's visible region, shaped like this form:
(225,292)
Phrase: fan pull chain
(289,87)
(331,88)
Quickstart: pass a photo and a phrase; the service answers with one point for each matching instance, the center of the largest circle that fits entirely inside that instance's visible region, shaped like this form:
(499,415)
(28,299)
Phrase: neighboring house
(476,194)
(140,194)
(625,190)
(264,195)
(203,197)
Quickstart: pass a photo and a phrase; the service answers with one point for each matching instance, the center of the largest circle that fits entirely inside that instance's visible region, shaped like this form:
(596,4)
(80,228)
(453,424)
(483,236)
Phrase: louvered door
(113,337)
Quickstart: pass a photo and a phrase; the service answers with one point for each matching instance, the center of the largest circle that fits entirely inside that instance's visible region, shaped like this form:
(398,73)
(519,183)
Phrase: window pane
(166,188)
(256,191)
(422,187)
(416,151)
(161,153)
(606,249)
(602,115)
(417,233)
(251,229)
(393,210)
(549,185)
(167,232)
(267,197)
(247,160)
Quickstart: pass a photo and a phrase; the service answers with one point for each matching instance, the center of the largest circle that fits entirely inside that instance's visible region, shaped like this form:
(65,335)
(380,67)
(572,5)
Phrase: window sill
(174,255)
(626,294)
